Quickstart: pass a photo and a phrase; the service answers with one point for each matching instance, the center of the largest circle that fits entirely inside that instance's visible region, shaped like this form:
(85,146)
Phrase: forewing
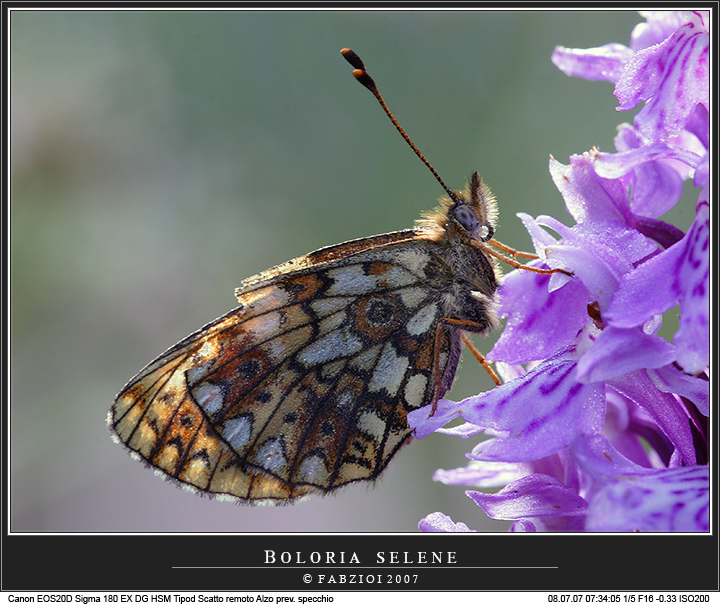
(303,388)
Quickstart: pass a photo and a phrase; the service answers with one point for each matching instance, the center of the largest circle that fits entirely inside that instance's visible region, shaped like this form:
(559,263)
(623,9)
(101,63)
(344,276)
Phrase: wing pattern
(304,387)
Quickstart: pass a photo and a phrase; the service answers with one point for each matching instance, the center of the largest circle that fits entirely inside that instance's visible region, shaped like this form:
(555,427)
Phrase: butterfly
(305,386)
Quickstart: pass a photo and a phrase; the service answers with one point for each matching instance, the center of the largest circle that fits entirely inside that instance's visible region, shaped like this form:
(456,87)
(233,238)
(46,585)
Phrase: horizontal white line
(379,569)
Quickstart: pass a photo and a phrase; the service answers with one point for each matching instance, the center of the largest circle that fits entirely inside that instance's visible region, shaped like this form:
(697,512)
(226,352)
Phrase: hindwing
(305,386)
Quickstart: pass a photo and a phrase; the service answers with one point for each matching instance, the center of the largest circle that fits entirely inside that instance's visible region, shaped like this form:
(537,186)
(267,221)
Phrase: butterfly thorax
(465,273)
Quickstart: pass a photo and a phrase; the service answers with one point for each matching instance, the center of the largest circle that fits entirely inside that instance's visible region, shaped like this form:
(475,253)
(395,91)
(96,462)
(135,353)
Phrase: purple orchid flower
(601,424)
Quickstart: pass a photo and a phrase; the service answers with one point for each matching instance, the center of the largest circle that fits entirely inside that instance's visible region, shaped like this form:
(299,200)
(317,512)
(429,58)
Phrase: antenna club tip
(352,58)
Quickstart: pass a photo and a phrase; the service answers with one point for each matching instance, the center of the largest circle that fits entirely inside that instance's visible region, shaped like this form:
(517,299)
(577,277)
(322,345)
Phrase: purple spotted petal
(603,202)
(592,270)
(598,254)
(532,496)
(541,239)
(672,78)
(440,522)
(633,431)
(632,305)
(539,413)
(425,421)
(588,198)
(540,322)
(693,336)
(559,465)
(699,125)
(620,350)
(668,500)
(665,408)
(602,461)
(657,186)
(671,380)
(464,430)
(614,165)
(604,63)
(483,474)
(680,273)
(658,26)
(656,189)
(702,181)
(624,245)
(549,524)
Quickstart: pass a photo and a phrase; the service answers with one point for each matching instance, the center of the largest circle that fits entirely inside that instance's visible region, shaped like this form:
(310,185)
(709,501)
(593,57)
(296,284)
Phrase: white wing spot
(333,345)
(349,281)
(237,431)
(313,469)
(209,397)
(422,320)
(271,455)
(415,390)
(389,371)
(412,297)
(414,260)
(268,298)
(398,276)
(371,424)
(326,306)
(262,328)
(198,372)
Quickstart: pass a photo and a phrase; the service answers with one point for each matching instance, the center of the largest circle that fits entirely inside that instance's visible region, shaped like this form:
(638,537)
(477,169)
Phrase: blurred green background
(160,157)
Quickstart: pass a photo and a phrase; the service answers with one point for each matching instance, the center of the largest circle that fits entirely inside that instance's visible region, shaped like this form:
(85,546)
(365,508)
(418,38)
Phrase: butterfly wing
(305,387)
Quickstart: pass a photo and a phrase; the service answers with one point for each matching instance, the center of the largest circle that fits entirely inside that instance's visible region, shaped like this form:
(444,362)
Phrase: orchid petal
(531,496)
(439,522)
(669,500)
(539,413)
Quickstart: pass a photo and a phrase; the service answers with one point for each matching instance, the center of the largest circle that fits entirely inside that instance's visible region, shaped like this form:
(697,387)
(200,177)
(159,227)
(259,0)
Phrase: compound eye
(466,217)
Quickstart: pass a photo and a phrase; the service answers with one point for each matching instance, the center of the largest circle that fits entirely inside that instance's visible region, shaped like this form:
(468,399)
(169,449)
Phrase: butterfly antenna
(362,76)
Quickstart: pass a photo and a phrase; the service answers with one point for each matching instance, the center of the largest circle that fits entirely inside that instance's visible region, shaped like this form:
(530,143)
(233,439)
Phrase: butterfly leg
(462,324)
(472,326)
(481,358)
(513,263)
(511,251)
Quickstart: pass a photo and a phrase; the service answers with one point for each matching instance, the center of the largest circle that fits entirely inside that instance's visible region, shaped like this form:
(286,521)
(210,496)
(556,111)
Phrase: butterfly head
(466,215)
